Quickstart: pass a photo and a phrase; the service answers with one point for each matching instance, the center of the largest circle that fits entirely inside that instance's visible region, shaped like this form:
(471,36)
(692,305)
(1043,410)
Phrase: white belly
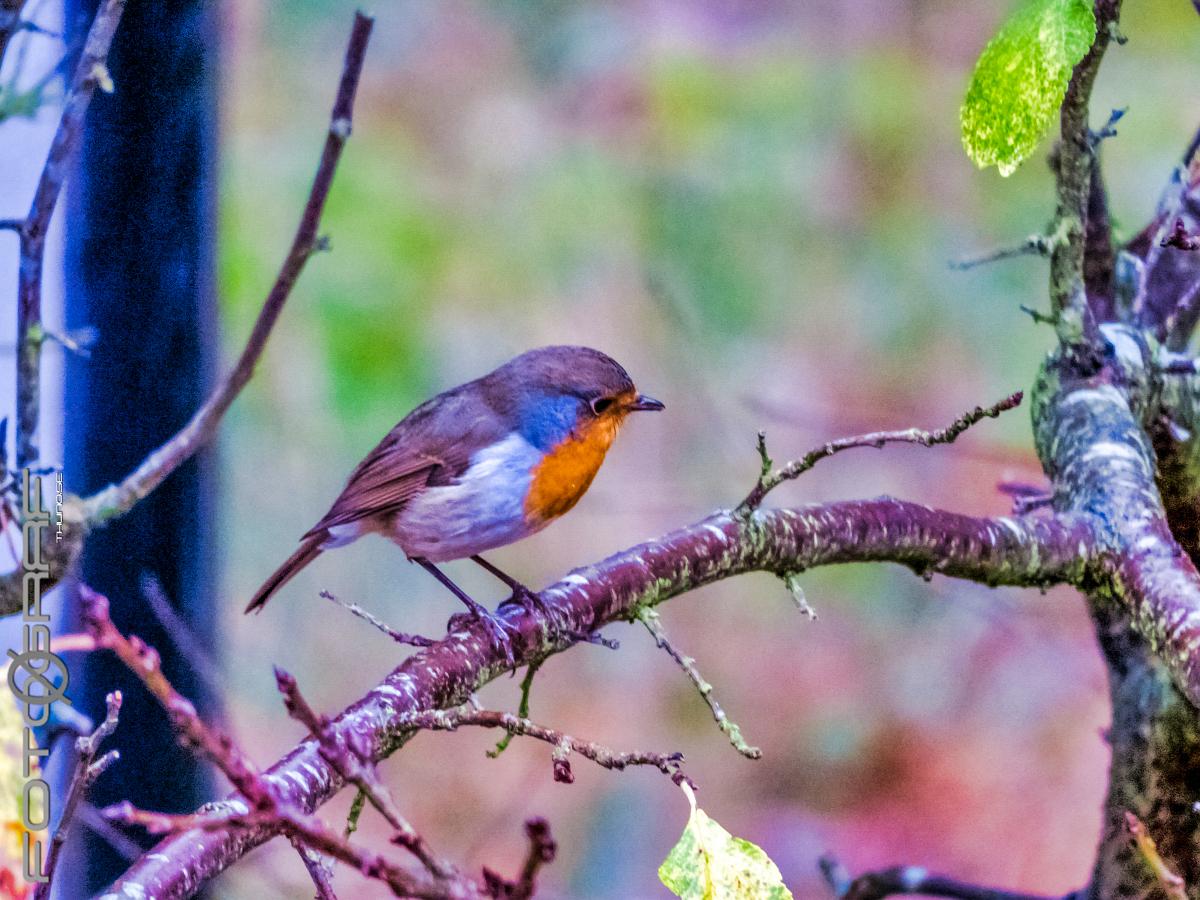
(484,509)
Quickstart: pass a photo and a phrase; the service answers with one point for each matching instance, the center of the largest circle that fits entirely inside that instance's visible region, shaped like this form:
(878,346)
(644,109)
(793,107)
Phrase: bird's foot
(523,596)
(500,633)
(532,601)
(595,637)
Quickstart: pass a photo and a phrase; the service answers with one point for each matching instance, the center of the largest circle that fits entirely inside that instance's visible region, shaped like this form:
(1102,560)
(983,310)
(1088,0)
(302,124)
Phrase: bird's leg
(520,593)
(523,596)
(500,633)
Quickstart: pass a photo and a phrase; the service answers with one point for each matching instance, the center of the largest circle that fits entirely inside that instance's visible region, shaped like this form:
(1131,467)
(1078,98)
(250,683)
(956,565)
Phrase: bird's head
(556,392)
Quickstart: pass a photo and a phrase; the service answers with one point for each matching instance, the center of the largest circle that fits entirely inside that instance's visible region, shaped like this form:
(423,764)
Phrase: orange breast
(566,472)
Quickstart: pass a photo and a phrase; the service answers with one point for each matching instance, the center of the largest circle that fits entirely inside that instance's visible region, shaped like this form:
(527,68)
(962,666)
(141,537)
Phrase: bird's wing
(382,484)
(432,445)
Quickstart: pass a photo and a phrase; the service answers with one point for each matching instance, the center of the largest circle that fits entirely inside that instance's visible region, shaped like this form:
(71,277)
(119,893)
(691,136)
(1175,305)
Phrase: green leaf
(1020,80)
(709,863)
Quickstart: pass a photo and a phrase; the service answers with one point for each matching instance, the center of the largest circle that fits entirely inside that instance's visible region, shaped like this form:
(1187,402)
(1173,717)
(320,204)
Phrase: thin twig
(87,769)
(1034,245)
(198,659)
(124,846)
(1172,885)
(564,744)
(117,499)
(769,478)
(542,850)
(233,815)
(320,870)
(1108,129)
(729,728)
(90,73)
(903,880)
(399,637)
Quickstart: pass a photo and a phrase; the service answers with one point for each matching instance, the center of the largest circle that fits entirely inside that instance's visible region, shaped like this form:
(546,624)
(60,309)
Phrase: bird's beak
(647,404)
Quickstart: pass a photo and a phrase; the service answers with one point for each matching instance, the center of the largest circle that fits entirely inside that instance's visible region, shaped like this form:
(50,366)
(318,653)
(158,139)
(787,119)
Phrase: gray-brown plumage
(482,464)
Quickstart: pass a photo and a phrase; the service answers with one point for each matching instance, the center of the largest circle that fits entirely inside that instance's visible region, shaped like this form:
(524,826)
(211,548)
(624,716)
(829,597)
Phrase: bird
(480,466)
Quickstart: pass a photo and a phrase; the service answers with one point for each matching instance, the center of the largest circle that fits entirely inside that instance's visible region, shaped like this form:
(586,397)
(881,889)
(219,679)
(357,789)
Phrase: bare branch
(653,623)
(768,480)
(564,744)
(90,73)
(542,850)
(399,637)
(1096,452)
(87,770)
(144,661)
(320,870)
(303,829)
(59,556)
(350,766)
(1024,551)
(118,499)
(1034,245)
(262,805)
(903,880)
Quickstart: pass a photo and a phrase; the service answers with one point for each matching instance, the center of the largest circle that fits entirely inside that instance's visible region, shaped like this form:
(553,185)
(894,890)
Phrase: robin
(480,466)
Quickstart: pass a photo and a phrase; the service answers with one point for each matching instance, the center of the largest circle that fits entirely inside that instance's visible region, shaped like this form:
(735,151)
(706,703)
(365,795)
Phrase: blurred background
(751,205)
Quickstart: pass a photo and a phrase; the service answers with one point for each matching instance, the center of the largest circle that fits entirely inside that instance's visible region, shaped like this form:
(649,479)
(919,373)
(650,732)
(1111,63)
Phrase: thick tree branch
(1165,297)
(1074,318)
(353,769)
(118,499)
(1094,447)
(905,880)
(90,73)
(1018,551)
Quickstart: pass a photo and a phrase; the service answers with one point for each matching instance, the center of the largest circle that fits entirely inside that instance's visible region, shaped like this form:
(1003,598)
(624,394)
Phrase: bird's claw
(500,633)
(595,637)
(532,601)
(524,597)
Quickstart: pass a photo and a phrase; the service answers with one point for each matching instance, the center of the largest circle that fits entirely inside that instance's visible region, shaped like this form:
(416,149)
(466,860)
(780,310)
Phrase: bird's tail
(309,550)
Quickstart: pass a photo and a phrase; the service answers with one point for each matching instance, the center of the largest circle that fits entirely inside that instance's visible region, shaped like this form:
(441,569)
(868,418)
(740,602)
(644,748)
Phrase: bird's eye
(600,404)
